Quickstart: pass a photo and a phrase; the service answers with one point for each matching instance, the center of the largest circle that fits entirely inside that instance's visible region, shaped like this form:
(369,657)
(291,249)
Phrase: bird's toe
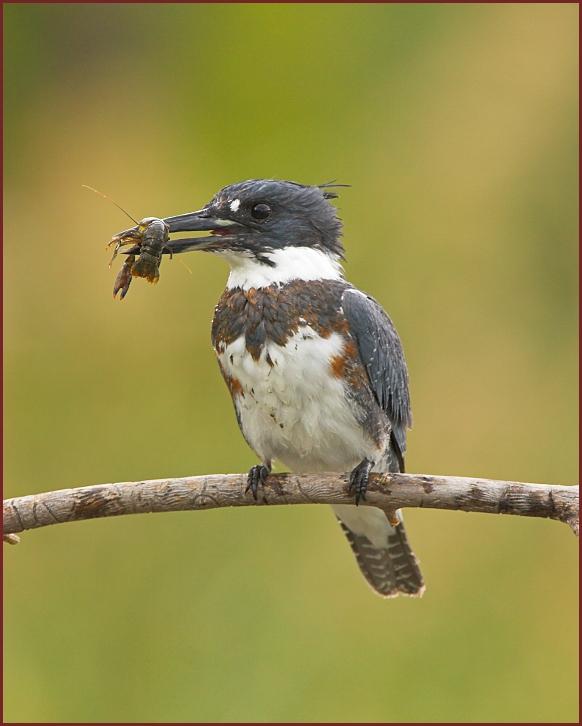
(359,480)
(256,478)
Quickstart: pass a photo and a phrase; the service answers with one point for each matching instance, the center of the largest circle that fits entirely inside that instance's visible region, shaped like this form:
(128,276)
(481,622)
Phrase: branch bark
(386,491)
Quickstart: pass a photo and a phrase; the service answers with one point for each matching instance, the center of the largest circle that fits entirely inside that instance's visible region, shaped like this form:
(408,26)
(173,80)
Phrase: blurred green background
(457,127)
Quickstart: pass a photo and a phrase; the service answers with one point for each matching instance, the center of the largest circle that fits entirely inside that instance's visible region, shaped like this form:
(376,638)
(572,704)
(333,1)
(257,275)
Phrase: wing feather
(381,354)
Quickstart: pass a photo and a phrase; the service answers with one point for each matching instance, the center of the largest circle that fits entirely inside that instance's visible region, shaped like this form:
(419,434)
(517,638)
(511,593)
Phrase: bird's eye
(261,211)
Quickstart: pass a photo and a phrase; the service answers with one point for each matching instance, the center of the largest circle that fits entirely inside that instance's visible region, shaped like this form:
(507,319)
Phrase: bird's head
(267,230)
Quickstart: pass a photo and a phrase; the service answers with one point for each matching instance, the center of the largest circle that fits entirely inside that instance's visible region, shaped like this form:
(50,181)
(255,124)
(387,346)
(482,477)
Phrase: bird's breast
(277,312)
(290,369)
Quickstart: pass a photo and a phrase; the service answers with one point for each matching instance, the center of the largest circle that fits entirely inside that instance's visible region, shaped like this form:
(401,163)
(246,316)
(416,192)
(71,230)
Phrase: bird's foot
(257,477)
(359,480)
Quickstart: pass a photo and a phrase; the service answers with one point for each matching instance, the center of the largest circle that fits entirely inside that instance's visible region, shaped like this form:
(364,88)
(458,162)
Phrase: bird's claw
(359,480)
(257,477)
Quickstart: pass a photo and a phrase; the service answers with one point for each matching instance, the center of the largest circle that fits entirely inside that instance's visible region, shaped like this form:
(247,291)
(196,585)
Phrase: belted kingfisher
(315,367)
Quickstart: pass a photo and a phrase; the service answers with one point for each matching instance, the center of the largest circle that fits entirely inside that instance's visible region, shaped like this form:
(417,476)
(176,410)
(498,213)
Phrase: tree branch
(386,491)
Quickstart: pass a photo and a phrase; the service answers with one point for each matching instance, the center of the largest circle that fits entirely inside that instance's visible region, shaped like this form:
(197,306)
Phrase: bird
(315,367)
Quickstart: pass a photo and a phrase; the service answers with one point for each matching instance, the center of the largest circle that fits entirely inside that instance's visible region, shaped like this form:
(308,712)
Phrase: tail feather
(380,545)
(382,551)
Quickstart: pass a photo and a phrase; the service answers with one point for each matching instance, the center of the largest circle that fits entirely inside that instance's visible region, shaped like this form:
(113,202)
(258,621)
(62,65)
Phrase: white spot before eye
(234,205)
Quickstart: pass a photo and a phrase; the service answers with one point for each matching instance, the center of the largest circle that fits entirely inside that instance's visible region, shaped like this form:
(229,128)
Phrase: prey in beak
(200,221)
(145,244)
(148,241)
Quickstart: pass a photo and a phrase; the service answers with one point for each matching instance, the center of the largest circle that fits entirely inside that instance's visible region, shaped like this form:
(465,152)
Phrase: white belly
(295,410)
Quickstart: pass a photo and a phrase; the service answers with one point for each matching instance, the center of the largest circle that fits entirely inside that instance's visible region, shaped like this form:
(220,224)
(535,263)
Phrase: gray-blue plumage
(382,356)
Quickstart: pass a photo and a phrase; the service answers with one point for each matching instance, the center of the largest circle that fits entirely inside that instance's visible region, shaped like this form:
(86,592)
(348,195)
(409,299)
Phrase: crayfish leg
(123,279)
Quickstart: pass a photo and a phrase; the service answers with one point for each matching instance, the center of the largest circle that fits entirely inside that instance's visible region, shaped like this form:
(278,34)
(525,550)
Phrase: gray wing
(382,356)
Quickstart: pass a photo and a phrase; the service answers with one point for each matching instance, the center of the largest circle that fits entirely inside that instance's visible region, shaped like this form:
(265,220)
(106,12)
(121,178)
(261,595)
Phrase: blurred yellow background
(457,127)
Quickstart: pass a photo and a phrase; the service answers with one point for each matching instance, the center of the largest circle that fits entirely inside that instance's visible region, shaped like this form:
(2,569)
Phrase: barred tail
(382,551)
